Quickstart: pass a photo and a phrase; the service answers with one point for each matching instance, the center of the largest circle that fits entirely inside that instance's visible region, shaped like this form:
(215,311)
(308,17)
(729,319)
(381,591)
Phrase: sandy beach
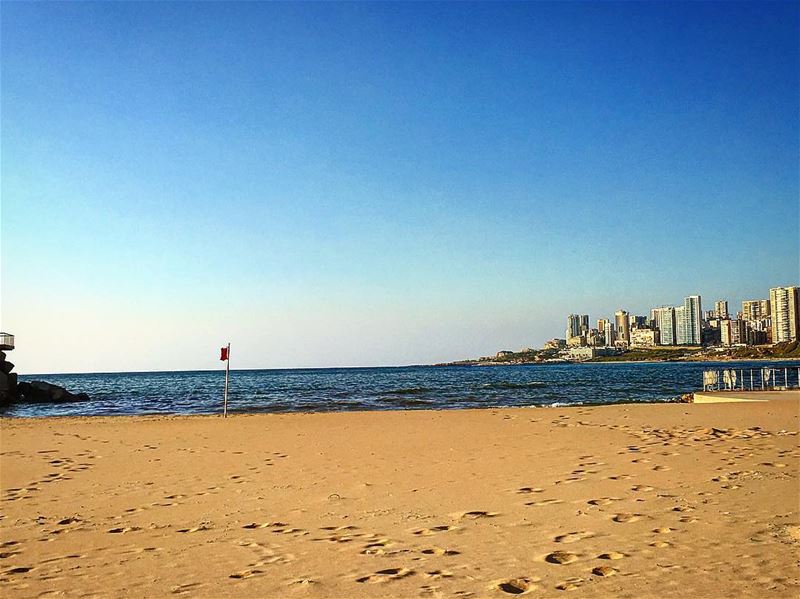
(672,500)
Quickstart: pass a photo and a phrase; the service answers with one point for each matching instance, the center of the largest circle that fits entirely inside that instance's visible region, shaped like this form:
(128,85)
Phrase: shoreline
(470,502)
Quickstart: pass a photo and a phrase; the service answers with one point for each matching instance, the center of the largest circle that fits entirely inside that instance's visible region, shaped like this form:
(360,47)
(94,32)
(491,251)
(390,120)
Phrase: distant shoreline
(602,360)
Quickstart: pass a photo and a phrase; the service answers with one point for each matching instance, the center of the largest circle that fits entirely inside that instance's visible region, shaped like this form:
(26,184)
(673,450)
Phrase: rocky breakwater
(12,391)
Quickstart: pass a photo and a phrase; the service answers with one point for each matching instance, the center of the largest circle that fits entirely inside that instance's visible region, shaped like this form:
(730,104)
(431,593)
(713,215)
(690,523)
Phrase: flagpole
(227,375)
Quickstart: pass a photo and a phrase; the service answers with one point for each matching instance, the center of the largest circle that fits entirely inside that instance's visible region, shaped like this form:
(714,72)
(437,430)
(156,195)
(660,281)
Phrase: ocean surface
(403,388)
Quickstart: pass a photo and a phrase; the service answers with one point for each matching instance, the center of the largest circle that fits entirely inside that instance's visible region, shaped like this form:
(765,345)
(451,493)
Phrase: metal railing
(751,379)
(7,340)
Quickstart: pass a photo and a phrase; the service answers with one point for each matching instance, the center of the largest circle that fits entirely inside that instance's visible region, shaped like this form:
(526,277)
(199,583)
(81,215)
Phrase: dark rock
(8,387)
(41,392)
(6,366)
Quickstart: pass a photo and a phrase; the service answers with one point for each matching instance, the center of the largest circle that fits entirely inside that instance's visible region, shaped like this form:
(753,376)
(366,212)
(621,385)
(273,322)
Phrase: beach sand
(667,500)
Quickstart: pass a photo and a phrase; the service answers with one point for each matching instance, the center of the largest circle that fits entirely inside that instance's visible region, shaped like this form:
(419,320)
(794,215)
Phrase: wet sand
(673,500)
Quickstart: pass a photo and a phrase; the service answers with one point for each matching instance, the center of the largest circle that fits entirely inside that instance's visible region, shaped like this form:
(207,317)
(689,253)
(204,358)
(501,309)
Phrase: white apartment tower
(693,325)
(785,305)
(721,309)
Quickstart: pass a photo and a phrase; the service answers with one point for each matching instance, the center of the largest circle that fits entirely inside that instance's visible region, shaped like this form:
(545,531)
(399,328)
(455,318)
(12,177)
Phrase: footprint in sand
(387,575)
(622,518)
(198,528)
(426,532)
(124,529)
(435,574)
(571,584)
(377,547)
(545,502)
(603,501)
(663,530)
(604,571)
(641,488)
(573,537)
(611,555)
(561,557)
(530,490)
(473,515)
(518,586)
(660,544)
(440,551)
(246,574)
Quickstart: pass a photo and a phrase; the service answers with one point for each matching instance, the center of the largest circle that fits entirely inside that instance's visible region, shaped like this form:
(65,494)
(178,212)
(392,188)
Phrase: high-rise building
(623,327)
(693,325)
(573,326)
(664,318)
(681,326)
(755,309)
(584,324)
(731,332)
(785,306)
(608,333)
(721,309)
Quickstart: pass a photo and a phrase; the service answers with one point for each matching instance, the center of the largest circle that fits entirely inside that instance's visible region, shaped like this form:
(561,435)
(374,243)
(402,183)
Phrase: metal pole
(741,374)
(227,376)
(751,379)
(786,378)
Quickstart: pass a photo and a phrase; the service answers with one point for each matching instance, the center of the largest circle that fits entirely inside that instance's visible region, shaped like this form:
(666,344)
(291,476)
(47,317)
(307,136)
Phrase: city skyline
(382,184)
(774,319)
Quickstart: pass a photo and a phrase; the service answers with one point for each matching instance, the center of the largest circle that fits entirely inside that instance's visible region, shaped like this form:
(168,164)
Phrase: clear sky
(377,184)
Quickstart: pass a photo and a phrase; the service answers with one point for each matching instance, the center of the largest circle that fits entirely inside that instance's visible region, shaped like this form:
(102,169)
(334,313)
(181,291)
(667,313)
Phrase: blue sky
(362,184)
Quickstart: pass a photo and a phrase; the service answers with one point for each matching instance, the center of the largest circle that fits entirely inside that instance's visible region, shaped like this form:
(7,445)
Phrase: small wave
(409,391)
(510,385)
(403,402)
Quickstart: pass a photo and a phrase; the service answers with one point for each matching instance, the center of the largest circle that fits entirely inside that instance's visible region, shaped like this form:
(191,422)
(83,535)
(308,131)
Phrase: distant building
(575,323)
(637,322)
(555,344)
(606,328)
(664,318)
(730,332)
(581,354)
(785,307)
(721,309)
(576,341)
(503,353)
(594,338)
(644,337)
(755,309)
(688,322)
(623,327)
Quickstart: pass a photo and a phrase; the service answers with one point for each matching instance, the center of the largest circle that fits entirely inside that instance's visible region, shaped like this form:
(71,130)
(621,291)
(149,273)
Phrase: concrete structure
(581,354)
(644,338)
(737,396)
(721,309)
(688,321)
(623,327)
(555,344)
(574,322)
(6,341)
(606,327)
(576,341)
(755,309)
(730,332)
(785,307)
(664,318)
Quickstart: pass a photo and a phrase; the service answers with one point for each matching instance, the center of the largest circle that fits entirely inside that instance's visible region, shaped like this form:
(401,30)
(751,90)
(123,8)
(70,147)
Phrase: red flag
(223,354)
